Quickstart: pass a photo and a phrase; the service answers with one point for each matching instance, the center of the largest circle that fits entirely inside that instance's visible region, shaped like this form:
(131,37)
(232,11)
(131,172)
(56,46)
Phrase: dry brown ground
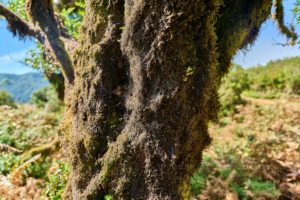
(273,127)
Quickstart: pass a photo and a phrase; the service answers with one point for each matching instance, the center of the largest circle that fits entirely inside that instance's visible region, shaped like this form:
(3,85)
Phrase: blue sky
(12,50)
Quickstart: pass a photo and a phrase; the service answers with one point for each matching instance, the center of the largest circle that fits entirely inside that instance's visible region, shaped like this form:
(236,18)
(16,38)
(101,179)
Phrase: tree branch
(41,12)
(18,26)
(278,16)
(49,32)
(238,26)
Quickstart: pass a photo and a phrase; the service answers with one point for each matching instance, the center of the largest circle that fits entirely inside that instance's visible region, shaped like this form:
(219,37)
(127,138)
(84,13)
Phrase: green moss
(185,190)
(108,197)
(44,150)
(207,51)
(114,120)
(188,72)
(238,27)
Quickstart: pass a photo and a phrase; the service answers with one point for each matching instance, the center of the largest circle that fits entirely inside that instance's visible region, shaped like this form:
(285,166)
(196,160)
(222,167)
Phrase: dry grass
(263,139)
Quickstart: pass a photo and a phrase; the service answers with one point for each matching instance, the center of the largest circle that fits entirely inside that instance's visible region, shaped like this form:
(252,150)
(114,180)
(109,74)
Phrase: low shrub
(57,180)
(232,88)
(295,85)
(6,99)
(46,96)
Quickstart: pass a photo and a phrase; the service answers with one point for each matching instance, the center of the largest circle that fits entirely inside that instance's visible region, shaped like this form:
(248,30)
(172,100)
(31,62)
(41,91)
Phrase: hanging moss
(238,27)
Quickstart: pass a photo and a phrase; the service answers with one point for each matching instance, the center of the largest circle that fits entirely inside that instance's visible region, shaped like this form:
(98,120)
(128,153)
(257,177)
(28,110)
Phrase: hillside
(278,76)
(287,65)
(22,86)
(277,79)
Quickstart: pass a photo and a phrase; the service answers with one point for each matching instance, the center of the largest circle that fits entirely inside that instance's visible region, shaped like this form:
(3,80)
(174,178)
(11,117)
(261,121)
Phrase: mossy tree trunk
(147,74)
(143,88)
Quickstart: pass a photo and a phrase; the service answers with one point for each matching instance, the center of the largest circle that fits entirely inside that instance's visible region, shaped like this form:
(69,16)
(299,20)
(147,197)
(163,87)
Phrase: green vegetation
(28,128)
(198,181)
(46,97)
(57,181)
(236,82)
(6,99)
(281,77)
(275,80)
(253,129)
(73,17)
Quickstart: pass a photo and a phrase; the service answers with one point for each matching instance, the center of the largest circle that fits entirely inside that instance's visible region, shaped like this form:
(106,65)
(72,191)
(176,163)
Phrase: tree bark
(141,87)
(146,80)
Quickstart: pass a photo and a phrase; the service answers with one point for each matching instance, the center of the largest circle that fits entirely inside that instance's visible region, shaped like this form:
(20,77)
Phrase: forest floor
(255,154)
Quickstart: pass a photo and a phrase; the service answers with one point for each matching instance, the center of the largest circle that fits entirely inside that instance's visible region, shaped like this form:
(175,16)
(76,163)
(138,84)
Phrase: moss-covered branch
(278,16)
(47,29)
(238,26)
(44,150)
(17,25)
(41,12)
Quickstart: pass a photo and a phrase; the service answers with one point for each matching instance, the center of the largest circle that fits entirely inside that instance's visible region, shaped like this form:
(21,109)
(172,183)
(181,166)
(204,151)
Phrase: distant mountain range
(22,86)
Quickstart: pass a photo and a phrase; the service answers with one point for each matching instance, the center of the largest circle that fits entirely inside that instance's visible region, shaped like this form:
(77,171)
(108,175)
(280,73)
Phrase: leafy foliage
(296,11)
(18,6)
(73,17)
(45,96)
(7,161)
(6,99)
(278,76)
(57,181)
(35,58)
(233,86)
(276,79)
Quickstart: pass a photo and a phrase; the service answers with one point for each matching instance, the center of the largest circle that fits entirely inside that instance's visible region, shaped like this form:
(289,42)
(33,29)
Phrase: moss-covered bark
(146,80)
